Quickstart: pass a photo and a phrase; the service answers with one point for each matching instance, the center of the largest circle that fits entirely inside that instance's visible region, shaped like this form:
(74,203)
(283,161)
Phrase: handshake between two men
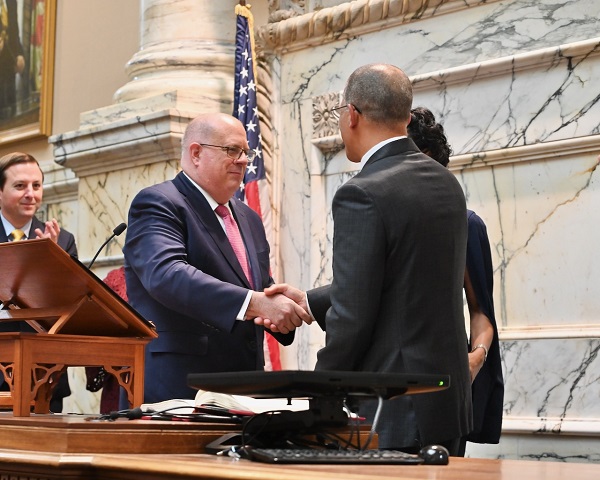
(280,308)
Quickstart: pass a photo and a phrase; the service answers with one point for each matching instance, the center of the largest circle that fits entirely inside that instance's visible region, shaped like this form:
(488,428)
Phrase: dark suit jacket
(183,275)
(488,387)
(66,241)
(399,247)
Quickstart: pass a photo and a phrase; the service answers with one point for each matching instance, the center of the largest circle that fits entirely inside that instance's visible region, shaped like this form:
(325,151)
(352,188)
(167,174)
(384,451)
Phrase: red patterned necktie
(235,239)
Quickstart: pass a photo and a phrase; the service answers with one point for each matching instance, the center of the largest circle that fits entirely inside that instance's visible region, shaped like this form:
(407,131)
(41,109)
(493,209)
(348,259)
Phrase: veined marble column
(185,66)
(186,45)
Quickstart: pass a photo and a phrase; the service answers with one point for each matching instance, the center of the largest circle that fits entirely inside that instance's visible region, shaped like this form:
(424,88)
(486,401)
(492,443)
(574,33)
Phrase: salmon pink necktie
(235,239)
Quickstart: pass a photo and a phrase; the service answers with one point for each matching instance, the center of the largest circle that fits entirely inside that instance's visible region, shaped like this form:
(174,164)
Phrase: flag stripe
(245,108)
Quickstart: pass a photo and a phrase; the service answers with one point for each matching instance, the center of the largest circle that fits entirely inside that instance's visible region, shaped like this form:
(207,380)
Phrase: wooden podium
(77,321)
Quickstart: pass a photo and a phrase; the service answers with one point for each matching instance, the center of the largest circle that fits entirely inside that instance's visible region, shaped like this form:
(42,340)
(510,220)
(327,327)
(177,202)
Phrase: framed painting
(27,31)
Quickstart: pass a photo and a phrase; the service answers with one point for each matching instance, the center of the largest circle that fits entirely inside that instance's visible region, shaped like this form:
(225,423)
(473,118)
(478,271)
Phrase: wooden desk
(75,447)
(31,465)
(86,434)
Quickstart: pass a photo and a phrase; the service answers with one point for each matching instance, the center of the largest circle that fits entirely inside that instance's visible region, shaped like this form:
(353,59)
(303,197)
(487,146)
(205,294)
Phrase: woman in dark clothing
(484,357)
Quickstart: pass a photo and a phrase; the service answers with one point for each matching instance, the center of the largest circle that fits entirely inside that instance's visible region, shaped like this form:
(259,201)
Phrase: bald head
(378,97)
(382,93)
(205,156)
(207,127)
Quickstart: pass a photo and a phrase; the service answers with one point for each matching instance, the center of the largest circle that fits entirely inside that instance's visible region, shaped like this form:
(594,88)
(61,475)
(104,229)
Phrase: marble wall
(513,83)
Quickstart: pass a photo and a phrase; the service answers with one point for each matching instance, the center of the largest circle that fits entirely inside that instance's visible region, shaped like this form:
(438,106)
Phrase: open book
(234,404)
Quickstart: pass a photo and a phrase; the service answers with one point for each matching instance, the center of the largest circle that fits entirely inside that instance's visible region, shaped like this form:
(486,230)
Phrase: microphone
(119,229)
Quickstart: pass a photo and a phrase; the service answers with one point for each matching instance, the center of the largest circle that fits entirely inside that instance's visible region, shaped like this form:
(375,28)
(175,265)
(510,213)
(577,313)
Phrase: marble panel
(552,380)
(104,201)
(467,36)
(541,218)
(542,96)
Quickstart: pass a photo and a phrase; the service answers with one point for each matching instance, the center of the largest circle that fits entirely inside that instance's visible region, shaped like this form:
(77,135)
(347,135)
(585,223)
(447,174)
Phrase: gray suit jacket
(396,302)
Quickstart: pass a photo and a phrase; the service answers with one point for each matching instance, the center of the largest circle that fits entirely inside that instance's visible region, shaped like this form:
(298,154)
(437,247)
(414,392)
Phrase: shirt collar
(211,201)
(9,227)
(375,148)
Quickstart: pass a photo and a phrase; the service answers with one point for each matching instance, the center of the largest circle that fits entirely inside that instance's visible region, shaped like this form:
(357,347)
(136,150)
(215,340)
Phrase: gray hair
(381,92)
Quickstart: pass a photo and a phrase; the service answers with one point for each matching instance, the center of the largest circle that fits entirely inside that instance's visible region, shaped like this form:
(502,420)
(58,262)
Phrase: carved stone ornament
(284,9)
(326,131)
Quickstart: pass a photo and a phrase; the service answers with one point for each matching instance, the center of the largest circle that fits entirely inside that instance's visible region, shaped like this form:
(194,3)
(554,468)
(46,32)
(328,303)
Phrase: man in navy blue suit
(183,274)
(21,189)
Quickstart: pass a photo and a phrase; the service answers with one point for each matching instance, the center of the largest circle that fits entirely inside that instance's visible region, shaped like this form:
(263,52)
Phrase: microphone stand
(118,230)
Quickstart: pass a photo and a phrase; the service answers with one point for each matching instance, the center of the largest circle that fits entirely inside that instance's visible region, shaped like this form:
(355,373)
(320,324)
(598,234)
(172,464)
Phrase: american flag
(245,108)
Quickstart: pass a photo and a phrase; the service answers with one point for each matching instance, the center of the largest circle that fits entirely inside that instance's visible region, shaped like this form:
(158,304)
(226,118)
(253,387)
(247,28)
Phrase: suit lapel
(201,209)
(35,223)
(397,147)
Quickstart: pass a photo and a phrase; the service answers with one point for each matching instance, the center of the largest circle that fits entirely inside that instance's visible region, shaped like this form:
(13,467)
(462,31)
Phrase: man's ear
(194,150)
(353,115)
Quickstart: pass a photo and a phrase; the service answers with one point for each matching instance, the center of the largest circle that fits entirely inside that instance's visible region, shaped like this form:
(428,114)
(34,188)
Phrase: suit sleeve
(357,279)
(319,301)
(156,249)
(66,241)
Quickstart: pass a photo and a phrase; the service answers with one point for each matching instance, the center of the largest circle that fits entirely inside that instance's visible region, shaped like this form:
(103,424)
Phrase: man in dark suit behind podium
(400,234)
(21,189)
(183,274)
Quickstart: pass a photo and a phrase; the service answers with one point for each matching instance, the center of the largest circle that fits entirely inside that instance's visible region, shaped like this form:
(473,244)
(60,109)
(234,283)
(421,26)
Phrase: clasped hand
(282,308)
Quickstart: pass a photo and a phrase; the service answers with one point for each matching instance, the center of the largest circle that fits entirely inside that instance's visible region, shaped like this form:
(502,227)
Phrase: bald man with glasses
(196,263)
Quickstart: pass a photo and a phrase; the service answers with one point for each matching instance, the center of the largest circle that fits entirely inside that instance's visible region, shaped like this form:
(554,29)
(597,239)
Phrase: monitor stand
(271,430)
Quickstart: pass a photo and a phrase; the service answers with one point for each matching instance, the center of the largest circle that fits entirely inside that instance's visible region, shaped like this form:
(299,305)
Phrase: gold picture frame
(26,109)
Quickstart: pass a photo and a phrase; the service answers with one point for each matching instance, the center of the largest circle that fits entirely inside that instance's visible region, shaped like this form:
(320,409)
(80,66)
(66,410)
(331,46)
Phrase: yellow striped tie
(17,235)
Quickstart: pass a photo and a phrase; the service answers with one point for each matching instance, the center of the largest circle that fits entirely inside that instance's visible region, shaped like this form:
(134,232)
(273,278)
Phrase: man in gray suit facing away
(399,246)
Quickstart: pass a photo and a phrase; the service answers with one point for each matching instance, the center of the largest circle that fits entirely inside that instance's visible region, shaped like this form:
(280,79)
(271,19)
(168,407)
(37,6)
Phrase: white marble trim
(61,191)
(549,331)
(332,143)
(498,67)
(589,427)
(105,262)
(559,149)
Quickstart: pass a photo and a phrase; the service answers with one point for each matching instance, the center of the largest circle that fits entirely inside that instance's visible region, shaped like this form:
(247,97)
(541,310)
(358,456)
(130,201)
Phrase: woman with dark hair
(429,135)
(484,356)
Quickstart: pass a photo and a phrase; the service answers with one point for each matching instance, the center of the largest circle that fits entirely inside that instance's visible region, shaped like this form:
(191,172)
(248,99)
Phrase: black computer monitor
(312,384)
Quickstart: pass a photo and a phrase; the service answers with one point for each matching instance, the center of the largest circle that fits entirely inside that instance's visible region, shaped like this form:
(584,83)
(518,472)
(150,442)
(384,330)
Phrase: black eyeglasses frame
(250,153)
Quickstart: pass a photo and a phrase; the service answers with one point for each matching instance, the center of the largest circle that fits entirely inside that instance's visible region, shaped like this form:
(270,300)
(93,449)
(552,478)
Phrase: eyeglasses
(344,106)
(235,153)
